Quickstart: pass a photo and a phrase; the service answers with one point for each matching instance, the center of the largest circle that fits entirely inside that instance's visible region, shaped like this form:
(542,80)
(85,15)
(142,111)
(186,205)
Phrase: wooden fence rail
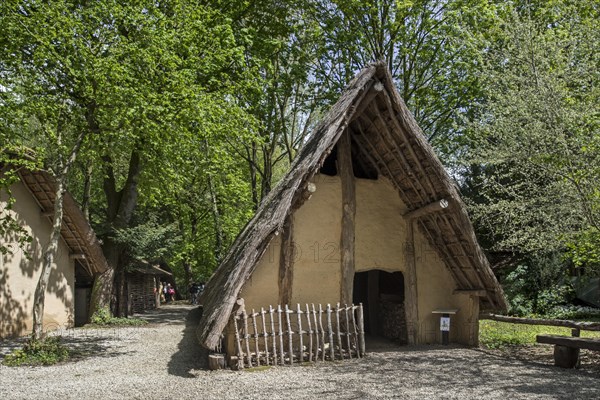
(287,336)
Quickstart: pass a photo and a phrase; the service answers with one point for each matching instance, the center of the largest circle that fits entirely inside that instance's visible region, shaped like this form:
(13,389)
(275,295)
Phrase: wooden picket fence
(285,336)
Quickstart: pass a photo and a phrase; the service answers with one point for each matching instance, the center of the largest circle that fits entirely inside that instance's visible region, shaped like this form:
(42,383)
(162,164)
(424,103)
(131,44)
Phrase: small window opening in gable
(330,165)
(361,165)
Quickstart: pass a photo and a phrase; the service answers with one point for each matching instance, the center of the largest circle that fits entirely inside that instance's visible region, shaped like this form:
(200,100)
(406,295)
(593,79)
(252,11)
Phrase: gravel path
(164,361)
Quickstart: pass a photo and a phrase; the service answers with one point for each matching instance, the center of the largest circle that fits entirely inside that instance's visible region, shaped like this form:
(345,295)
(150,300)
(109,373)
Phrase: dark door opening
(382,296)
(83,292)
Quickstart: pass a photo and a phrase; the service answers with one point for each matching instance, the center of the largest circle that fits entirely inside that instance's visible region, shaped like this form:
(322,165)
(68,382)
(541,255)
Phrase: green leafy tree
(43,71)
(532,166)
(131,77)
(426,46)
(281,45)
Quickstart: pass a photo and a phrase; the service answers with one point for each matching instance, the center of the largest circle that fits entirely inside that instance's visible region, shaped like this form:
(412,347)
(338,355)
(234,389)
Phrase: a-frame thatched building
(367,214)
(78,261)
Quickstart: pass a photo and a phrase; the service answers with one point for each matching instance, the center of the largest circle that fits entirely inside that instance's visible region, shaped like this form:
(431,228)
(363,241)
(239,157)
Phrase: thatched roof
(388,142)
(75,231)
(149,269)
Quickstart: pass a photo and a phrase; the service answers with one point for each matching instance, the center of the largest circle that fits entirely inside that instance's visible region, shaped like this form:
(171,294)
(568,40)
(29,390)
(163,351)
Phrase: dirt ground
(163,360)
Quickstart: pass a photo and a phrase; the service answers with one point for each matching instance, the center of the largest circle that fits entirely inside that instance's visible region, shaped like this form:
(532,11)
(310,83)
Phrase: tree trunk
(187,271)
(48,259)
(122,300)
(120,207)
(87,190)
(219,237)
(253,177)
(51,248)
(102,290)
(267,175)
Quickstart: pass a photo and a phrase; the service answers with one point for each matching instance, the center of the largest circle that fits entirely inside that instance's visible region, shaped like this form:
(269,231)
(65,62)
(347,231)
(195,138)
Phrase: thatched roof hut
(78,259)
(76,230)
(368,134)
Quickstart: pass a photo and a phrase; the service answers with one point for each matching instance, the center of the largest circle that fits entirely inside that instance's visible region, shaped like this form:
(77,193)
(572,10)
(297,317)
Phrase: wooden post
(216,361)
(353,308)
(286,261)
(256,346)
(273,334)
(322,332)
(474,321)
(338,334)
(348,331)
(238,343)
(314,312)
(265,336)
(445,334)
(411,295)
(310,335)
(246,339)
(361,330)
(330,329)
(290,335)
(566,357)
(301,341)
(344,156)
(281,350)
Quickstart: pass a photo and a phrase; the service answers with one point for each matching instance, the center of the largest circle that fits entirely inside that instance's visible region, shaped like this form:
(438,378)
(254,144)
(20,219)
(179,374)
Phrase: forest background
(170,120)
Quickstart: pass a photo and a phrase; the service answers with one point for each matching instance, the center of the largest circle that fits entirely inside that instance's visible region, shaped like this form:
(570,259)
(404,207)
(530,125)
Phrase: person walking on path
(170,293)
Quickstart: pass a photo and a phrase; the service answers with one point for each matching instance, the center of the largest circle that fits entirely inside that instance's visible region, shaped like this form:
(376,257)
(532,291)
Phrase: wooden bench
(566,349)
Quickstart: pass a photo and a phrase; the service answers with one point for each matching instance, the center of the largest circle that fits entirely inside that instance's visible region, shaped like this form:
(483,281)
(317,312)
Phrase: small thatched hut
(366,214)
(143,287)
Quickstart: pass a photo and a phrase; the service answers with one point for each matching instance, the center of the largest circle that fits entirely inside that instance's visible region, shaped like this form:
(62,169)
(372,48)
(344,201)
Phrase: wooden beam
(286,261)
(388,150)
(48,214)
(472,292)
(462,280)
(364,100)
(428,209)
(577,342)
(344,157)
(411,295)
(392,146)
(77,256)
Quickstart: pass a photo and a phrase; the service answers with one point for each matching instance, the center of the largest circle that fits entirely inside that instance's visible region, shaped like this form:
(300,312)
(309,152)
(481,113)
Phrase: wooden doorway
(382,296)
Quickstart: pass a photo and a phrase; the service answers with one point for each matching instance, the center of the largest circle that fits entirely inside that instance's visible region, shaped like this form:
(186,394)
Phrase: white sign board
(445,324)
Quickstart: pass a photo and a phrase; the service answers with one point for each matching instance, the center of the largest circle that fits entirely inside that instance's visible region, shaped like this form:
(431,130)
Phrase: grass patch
(496,334)
(258,369)
(47,351)
(103,318)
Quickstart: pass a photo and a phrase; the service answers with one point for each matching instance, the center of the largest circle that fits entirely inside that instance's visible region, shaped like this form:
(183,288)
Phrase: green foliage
(46,351)
(583,250)
(574,313)
(103,317)
(148,240)
(531,174)
(537,286)
(428,50)
(496,335)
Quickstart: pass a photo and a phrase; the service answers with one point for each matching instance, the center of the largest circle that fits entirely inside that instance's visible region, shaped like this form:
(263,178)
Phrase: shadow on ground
(481,372)
(168,314)
(190,355)
(82,344)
